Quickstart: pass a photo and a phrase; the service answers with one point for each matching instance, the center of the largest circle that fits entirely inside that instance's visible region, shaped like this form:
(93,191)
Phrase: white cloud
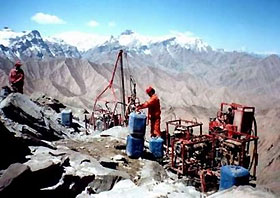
(93,23)
(112,24)
(43,18)
(83,41)
(187,36)
(187,33)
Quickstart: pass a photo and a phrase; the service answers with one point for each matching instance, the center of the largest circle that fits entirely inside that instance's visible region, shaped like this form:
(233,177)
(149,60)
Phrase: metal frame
(185,165)
(107,111)
(239,134)
(239,142)
(224,141)
(240,109)
(182,125)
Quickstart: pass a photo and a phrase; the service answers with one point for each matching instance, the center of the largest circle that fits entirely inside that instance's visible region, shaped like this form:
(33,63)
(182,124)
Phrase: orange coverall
(154,112)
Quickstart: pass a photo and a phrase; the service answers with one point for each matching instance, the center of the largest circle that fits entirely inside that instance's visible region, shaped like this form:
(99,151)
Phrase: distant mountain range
(179,52)
(28,45)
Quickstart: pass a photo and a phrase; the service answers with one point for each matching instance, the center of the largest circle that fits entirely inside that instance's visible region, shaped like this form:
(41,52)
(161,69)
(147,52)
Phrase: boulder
(12,149)
(20,109)
(104,182)
(15,180)
(29,136)
(46,169)
(85,171)
(46,101)
(4,92)
(152,172)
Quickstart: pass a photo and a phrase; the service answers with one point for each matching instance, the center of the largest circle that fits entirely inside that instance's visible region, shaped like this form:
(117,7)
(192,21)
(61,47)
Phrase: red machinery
(201,155)
(235,129)
(235,118)
(192,153)
(183,129)
(189,156)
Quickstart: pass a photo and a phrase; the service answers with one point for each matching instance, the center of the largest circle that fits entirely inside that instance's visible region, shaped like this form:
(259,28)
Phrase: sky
(242,25)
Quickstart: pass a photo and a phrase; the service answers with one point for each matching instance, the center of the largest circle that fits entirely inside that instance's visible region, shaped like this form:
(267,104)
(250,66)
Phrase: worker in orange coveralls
(16,78)
(153,105)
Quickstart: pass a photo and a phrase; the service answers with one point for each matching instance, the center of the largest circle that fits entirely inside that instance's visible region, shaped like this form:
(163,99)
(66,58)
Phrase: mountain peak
(127,32)
(36,33)
(274,56)
(272,59)
(7,29)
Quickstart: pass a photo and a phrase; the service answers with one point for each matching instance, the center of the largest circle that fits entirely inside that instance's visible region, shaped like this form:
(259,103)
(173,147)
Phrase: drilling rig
(114,112)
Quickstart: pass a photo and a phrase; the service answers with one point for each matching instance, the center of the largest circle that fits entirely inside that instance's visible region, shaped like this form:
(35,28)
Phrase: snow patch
(243,191)
(190,41)
(7,34)
(147,51)
(126,188)
(55,40)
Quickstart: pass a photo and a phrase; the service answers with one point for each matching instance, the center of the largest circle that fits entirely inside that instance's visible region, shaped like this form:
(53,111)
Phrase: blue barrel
(134,146)
(137,124)
(156,147)
(233,175)
(66,117)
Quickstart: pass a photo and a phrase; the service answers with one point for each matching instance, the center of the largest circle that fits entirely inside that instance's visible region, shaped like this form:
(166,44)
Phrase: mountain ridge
(237,70)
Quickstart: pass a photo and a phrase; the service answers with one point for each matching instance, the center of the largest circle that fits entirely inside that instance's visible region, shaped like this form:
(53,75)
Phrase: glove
(138,107)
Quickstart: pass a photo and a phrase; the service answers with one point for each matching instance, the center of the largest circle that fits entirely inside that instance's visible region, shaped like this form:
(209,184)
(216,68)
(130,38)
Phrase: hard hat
(149,89)
(18,64)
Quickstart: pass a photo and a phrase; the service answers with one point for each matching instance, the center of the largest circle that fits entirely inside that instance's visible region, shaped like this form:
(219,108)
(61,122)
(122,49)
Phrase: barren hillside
(77,82)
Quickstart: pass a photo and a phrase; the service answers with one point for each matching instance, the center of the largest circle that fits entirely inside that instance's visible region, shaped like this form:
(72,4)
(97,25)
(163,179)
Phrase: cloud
(187,33)
(83,41)
(43,18)
(93,23)
(186,37)
(112,24)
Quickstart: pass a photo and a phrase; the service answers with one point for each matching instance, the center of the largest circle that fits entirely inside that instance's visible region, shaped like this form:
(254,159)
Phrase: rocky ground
(42,158)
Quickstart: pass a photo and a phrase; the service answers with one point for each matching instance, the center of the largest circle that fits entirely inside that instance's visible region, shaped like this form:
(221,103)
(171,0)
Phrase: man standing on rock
(16,78)
(154,112)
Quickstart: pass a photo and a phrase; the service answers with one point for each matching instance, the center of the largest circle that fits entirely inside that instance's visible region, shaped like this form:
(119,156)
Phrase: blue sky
(248,25)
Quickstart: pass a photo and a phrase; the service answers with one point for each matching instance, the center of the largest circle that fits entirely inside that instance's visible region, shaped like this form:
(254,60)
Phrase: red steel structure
(181,129)
(232,140)
(109,116)
(235,138)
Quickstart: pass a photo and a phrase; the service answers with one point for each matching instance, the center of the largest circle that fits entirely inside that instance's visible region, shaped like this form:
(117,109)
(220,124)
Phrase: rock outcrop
(42,158)
(12,149)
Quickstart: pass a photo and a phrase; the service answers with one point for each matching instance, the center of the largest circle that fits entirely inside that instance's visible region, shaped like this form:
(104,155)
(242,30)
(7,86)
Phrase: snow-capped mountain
(30,44)
(181,52)
(169,51)
(83,41)
(6,34)
(60,49)
(132,40)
